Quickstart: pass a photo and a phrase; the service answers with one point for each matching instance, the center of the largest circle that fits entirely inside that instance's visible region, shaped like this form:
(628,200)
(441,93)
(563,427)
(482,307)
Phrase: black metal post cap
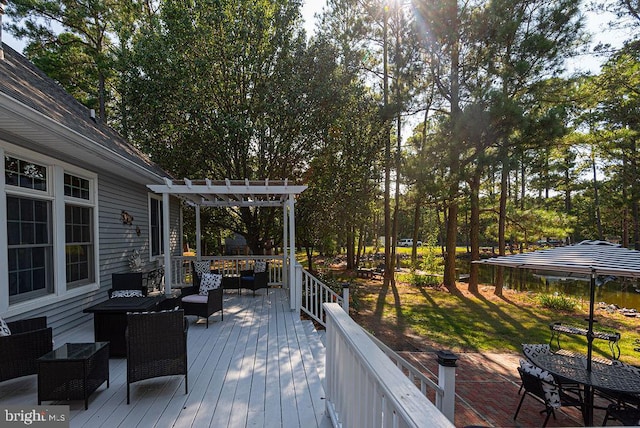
(447,358)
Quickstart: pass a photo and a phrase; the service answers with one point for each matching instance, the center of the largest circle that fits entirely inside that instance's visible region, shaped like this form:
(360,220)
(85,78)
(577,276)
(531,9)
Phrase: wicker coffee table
(73,372)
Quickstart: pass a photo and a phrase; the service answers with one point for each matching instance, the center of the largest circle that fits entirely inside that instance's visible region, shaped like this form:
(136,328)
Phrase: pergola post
(295,291)
(166,248)
(198,234)
(285,246)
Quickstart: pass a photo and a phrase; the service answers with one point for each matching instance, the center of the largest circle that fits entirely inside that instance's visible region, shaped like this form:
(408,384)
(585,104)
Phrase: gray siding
(116,242)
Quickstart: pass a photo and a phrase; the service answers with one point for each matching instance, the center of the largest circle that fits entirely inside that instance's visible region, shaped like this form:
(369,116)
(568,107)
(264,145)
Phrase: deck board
(254,369)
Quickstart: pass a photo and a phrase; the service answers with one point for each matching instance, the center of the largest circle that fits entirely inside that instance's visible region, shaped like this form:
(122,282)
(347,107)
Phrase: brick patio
(487,393)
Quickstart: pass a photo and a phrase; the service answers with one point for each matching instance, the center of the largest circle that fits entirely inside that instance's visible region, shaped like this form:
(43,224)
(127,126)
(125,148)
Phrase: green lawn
(483,322)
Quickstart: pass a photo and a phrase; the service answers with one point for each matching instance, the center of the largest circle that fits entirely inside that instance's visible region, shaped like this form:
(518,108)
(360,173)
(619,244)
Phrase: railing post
(345,297)
(447,363)
(295,291)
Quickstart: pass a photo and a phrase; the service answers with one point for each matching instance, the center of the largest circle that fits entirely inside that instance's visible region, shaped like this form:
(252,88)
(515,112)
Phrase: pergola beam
(235,193)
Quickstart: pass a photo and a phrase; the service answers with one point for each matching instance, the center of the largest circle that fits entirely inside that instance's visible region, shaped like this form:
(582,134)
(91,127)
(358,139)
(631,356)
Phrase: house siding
(38,117)
(115,244)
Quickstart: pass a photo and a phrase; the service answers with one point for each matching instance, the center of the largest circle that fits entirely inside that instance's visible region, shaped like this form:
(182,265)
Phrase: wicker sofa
(29,340)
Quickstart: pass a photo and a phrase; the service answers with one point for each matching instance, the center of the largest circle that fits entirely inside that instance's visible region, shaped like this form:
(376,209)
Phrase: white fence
(227,265)
(315,293)
(363,388)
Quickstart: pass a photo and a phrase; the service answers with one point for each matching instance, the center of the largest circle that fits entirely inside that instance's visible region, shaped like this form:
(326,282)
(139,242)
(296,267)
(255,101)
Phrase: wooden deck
(254,369)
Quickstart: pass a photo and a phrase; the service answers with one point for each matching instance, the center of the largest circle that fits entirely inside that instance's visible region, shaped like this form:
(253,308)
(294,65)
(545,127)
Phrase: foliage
(420,280)
(558,302)
(80,56)
(509,147)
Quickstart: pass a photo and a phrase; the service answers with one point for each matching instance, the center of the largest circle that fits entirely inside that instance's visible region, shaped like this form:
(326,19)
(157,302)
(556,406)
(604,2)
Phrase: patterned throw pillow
(202,266)
(208,282)
(532,350)
(126,293)
(260,266)
(549,386)
(4,328)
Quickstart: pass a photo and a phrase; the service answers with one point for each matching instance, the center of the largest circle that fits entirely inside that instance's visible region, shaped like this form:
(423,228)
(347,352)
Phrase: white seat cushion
(195,298)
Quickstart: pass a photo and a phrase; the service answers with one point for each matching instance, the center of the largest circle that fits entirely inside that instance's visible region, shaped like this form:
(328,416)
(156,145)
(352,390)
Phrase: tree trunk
(388,260)
(502,220)
(309,251)
(350,248)
(596,199)
(625,210)
(635,197)
(454,148)
(450,252)
(416,228)
(474,233)
(102,96)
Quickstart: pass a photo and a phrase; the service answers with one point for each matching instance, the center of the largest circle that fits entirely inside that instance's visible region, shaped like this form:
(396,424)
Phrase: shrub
(558,302)
(424,280)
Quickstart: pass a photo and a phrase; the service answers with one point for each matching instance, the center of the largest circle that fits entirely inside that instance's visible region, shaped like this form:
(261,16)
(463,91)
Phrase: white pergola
(233,193)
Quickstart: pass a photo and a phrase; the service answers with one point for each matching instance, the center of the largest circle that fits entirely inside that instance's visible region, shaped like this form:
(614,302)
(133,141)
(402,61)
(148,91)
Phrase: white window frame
(85,203)
(54,194)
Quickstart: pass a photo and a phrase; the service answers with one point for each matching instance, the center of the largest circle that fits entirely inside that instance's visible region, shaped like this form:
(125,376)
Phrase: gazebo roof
(230,193)
(587,257)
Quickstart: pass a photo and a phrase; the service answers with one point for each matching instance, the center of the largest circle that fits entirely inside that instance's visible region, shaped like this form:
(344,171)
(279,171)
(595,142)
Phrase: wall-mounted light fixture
(126,217)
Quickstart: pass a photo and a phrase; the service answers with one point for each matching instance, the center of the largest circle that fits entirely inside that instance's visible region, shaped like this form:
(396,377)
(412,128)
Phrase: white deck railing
(315,293)
(363,386)
(227,265)
(415,376)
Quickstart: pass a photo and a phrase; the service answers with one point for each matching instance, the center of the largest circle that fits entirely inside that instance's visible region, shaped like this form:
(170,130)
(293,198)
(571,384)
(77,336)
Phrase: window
(155,226)
(51,209)
(21,173)
(78,224)
(76,187)
(30,248)
(78,245)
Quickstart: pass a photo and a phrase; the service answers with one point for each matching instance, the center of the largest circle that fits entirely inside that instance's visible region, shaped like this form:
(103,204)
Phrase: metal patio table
(602,375)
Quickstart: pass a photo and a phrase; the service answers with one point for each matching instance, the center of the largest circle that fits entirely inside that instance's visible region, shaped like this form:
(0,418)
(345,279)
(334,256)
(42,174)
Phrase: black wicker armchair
(254,279)
(29,340)
(202,306)
(156,346)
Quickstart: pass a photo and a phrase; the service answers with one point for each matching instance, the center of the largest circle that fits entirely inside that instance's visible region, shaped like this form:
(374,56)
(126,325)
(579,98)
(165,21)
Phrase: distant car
(408,243)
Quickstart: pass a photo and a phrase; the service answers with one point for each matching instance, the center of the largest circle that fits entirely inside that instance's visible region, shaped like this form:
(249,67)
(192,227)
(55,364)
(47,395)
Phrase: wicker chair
(156,346)
(254,280)
(127,281)
(29,340)
(202,306)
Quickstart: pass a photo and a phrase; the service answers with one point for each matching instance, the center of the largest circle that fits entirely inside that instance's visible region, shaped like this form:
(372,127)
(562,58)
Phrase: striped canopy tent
(598,260)
(587,257)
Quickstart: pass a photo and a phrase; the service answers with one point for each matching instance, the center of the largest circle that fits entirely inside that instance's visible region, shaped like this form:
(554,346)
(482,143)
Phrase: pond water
(623,292)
